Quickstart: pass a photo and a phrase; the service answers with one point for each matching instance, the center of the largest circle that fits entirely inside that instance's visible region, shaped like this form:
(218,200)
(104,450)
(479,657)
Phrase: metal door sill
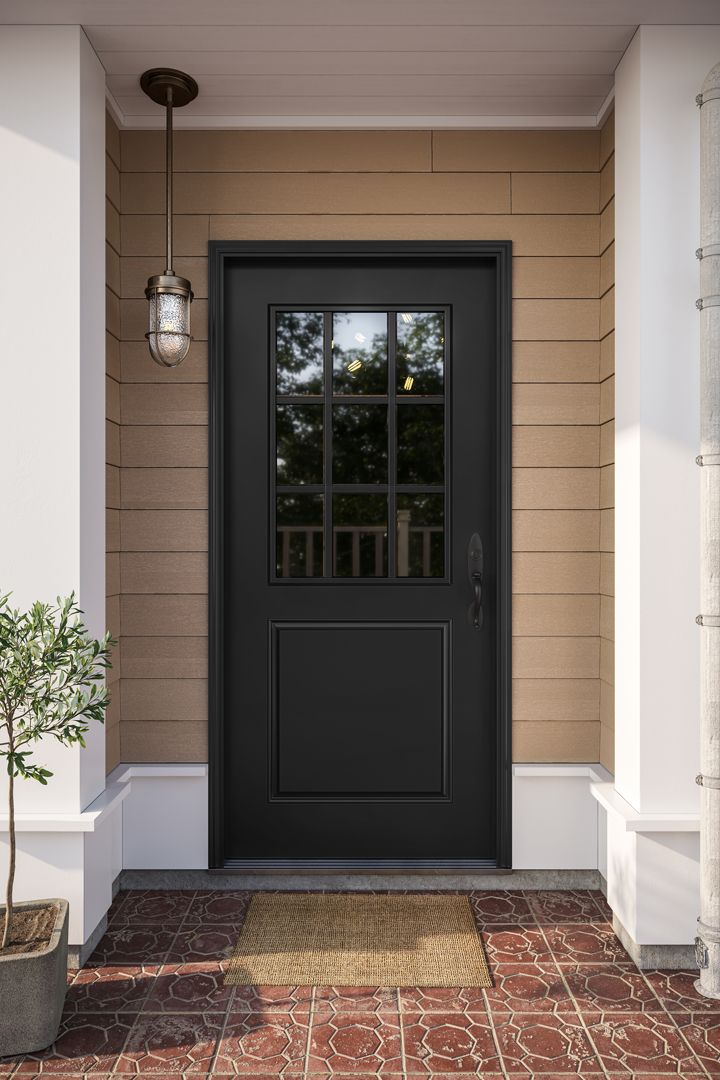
(359,866)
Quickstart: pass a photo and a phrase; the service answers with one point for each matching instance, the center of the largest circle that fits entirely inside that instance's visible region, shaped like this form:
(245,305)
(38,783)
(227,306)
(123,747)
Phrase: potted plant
(52,684)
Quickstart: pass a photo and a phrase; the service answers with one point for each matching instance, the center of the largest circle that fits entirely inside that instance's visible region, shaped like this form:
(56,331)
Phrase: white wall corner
(651,812)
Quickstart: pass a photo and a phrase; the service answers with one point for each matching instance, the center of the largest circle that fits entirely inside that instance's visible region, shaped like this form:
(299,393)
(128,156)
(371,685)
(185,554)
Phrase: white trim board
(359,123)
(644,822)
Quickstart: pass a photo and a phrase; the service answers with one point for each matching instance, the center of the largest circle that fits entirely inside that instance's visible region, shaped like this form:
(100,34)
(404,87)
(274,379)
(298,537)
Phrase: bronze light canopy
(169,296)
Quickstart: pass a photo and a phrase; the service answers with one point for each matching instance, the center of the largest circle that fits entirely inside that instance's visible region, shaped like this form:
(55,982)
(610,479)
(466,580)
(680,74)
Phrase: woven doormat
(346,939)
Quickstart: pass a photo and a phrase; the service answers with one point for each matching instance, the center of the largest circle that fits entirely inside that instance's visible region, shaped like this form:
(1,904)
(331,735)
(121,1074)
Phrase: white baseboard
(556,824)
(165,816)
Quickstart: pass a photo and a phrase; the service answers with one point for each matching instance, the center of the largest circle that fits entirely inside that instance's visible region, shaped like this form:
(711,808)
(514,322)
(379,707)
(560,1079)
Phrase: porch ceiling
(367,63)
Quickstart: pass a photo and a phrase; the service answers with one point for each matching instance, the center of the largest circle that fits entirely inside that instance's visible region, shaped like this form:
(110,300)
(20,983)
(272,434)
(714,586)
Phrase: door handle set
(475,563)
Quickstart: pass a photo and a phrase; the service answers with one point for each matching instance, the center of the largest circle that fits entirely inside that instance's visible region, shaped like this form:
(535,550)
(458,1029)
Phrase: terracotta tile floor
(566,1001)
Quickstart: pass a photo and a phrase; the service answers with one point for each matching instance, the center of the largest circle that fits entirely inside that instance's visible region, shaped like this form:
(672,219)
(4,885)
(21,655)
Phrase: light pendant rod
(169,296)
(169,177)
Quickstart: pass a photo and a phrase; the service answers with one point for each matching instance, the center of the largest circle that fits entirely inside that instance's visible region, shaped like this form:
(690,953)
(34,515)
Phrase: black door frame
(221,251)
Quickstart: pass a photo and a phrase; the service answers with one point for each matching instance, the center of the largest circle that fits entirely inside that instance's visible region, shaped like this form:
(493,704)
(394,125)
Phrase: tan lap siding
(542,190)
(112,433)
(607,459)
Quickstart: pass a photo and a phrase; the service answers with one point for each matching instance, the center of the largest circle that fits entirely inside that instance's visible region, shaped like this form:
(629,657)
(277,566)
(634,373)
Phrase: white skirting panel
(165,817)
(555,817)
(155,817)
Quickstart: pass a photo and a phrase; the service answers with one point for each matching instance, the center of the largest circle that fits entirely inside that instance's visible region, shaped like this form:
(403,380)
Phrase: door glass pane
(299,437)
(299,352)
(420,352)
(420,536)
(359,444)
(360,352)
(299,542)
(420,444)
(359,536)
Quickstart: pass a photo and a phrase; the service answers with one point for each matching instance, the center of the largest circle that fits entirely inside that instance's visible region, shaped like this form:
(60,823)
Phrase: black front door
(359,555)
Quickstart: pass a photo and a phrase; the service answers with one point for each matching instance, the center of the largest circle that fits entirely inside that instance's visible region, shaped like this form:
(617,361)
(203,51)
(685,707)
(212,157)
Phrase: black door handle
(475,575)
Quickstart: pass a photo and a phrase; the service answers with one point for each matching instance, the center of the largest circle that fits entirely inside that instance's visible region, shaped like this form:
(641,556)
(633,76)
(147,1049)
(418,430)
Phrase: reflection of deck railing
(288,533)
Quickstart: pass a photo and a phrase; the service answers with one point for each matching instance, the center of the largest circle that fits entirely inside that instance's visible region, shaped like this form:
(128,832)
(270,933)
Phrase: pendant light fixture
(169,296)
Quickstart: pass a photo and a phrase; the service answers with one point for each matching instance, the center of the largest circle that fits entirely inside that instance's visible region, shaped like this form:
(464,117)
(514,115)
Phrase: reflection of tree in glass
(371,376)
(420,352)
(360,547)
(360,444)
(299,348)
(299,433)
(422,516)
(299,546)
(420,454)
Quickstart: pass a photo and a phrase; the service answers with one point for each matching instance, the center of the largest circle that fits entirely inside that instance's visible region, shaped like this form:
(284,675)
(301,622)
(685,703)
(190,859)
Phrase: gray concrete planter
(32,988)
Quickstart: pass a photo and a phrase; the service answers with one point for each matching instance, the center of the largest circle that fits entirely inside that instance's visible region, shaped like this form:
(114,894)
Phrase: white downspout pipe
(708,939)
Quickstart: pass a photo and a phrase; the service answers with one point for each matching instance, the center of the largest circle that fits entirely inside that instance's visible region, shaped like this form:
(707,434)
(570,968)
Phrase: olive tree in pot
(52,685)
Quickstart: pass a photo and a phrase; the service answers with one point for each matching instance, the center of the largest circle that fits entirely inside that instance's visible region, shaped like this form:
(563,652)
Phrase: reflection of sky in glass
(420,352)
(299,340)
(360,352)
(356,330)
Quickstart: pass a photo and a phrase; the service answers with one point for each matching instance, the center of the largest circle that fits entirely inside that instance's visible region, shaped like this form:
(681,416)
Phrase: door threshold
(359,866)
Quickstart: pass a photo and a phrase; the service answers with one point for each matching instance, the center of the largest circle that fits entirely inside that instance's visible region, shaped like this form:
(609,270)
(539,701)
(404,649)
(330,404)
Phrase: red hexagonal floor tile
(163,906)
(510,944)
(130,943)
(194,987)
(449,1042)
(502,906)
(171,1043)
(110,988)
(87,1043)
(639,1043)
(355,1042)
(257,1044)
(564,906)
(702,1033)
(541,1044)
(528,988)
(355,999)
(585,943)
(228,908)
(603,988)
(676,990)
(295,1000)
(426,999)
(203,942)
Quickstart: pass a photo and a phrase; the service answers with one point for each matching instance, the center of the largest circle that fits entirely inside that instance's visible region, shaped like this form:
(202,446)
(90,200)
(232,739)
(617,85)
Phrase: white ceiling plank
(361,38)
(213,87)
(359,63)
(364,63)
(348,12)
(353,106)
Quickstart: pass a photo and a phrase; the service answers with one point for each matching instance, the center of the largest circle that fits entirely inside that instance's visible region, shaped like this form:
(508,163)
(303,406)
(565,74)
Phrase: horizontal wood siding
(545,191)
(607,460)
(112,435)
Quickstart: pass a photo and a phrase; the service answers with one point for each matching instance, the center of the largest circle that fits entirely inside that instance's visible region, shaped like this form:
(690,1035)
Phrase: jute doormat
(346,939)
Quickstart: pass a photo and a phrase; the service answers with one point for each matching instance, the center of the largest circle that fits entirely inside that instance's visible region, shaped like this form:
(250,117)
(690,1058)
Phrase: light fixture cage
(169,298)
